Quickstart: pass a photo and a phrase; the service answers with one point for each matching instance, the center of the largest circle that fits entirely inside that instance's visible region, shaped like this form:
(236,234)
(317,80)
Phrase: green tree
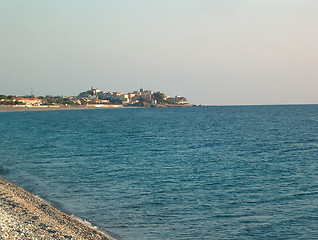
(171,101)
(160,97)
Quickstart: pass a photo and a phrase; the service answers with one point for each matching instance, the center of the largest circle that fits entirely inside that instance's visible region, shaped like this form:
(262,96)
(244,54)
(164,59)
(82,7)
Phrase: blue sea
(234,172)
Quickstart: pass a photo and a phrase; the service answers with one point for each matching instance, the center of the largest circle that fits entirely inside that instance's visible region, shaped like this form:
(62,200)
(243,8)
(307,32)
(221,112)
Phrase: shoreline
(5,108)
(9,108)
(26,216)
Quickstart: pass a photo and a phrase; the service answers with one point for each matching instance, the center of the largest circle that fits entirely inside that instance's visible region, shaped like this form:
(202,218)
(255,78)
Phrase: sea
(218,172)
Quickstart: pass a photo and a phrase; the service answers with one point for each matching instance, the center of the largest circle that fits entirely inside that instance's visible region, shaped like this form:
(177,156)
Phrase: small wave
(305,193)
(284,197)
(142,205)
(233,215)
(3,170)
(91,226)
(86,223)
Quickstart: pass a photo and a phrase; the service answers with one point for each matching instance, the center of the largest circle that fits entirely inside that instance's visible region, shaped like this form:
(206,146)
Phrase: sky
(214,52)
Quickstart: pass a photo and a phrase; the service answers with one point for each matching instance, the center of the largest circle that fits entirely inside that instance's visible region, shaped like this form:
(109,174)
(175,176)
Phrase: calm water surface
(247,172)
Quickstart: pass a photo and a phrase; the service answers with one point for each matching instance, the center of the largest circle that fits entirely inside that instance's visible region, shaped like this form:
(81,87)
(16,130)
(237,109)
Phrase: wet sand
(25,216)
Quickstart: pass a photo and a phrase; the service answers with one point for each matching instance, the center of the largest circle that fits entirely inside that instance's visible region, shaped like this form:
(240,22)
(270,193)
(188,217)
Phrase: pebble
(25,216)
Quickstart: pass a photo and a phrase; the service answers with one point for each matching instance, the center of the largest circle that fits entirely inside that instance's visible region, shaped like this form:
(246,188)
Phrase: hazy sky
(211,51)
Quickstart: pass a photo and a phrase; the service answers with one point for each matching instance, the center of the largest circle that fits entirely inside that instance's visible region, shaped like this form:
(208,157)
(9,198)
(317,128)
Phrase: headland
(95,98)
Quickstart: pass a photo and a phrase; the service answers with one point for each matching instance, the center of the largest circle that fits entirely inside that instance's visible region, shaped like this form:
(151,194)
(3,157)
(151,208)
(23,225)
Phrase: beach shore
(9,108)
(5,108)
(25,216)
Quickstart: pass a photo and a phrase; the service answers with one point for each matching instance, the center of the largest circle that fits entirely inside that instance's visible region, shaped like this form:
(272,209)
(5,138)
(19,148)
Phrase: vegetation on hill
(96,96)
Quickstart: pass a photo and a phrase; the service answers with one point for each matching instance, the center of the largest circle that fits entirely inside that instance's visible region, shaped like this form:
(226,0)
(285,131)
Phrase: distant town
(97,98)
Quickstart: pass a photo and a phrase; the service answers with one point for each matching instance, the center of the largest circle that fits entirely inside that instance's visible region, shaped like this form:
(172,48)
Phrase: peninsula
(92,98)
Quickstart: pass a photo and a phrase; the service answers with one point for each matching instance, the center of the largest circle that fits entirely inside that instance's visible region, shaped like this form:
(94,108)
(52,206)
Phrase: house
(145,95)
(180,100)
(124,98)
(28,101)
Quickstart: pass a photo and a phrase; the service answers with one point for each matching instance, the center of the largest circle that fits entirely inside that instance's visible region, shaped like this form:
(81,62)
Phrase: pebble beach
(25,216)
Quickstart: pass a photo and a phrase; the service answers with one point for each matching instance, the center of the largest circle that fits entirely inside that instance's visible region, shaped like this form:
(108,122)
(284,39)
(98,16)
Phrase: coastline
(25,216)
(9,108)
(5,108)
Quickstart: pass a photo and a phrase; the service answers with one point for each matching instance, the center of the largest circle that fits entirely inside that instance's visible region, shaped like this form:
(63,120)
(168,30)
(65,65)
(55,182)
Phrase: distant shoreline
(10,108)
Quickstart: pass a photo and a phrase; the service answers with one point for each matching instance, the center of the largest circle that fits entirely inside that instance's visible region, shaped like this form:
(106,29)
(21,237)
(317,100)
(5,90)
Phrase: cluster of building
(141,97)
(96,96)
(15,100)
